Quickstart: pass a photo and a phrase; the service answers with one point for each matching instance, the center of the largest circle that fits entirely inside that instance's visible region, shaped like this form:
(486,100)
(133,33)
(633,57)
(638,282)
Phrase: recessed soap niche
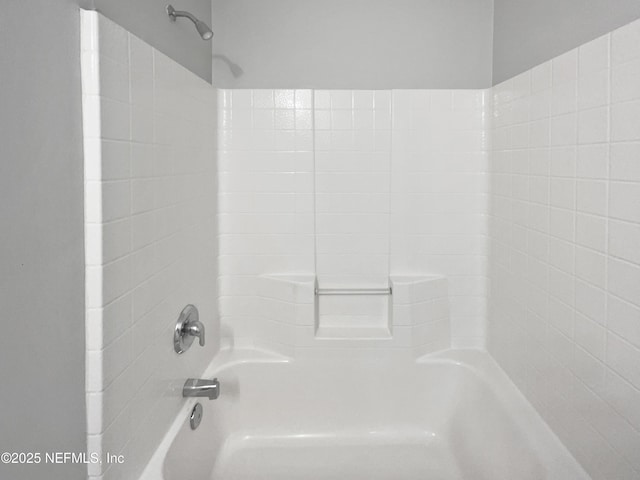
(353,316)
(405,311)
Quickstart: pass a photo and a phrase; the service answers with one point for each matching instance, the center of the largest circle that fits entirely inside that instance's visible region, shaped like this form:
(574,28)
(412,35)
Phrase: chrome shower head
(203,29)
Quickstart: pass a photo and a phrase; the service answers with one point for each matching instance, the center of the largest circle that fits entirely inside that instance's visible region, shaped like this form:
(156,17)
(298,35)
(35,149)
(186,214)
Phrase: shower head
(203,29)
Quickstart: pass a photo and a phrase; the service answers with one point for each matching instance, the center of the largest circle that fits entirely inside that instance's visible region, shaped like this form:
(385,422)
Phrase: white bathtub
(452,415)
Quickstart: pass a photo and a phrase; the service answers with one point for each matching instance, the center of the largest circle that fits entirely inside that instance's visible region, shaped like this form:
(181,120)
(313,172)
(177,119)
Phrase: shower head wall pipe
(203,29)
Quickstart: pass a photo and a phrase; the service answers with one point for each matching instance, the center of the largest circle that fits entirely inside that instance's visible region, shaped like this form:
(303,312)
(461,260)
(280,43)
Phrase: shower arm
(173,13)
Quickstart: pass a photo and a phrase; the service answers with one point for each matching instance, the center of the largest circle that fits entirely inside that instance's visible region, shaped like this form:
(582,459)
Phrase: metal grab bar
(354,291)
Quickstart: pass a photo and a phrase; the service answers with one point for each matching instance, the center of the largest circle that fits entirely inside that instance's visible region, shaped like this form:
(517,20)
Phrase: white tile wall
(439,198)
(565,222)
(353,186)
(352,191)
(150,222)
(266,202)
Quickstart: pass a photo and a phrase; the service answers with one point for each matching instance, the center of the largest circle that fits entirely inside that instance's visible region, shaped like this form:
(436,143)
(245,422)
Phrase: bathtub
(335,416)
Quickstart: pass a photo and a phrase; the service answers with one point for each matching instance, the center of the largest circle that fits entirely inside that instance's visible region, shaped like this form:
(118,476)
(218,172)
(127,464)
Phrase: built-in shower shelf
(403,311)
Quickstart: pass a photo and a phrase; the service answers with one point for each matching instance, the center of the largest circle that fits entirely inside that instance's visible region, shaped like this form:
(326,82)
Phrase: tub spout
(197,387)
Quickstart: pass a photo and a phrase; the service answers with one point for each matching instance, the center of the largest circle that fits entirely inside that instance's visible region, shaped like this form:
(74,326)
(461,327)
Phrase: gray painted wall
(529,32)
(148,20)
(42,406)
(358,44)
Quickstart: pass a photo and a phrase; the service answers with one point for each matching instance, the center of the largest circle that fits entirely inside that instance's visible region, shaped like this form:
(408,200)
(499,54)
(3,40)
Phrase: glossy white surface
(150,237)
(291,318)
(353,186)
(565,223)
(452,415)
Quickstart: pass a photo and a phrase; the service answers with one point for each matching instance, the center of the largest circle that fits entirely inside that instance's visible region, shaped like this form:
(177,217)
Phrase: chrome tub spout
(197,387)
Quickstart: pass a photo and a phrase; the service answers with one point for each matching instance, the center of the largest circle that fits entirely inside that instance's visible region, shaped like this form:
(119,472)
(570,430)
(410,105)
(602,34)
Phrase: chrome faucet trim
(195,329)
(197,387)
(188,327)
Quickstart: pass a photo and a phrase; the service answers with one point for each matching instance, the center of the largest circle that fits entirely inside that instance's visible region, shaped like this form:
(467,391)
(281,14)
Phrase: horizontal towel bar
(354,291)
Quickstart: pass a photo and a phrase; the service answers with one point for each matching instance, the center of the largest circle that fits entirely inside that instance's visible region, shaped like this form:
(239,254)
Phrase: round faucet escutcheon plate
(181,339)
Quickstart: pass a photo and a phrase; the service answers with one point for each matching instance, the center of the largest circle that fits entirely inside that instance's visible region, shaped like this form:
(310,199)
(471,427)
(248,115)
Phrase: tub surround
(353,187)
(564,320)
(150,238)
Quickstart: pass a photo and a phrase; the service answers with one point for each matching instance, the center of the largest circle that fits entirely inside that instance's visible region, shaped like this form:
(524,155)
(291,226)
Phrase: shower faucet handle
(188,327)
(195,329)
